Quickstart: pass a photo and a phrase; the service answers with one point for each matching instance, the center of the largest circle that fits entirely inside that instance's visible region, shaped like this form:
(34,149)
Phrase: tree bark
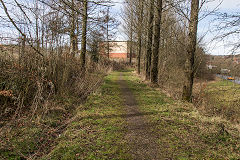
(22,52)
(73,29)
(156,42)
(131,37)
(139,52)
(78,32)
(108,45)
(149,40)
(131,50)
(84,36)
(140,19)
(18,29)
(191,49)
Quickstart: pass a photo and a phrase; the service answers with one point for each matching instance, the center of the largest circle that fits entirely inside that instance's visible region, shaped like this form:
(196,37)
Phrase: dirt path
(140,135)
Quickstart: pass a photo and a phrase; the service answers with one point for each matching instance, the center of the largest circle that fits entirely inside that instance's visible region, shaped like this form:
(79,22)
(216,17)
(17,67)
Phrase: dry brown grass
(36,80)
(39,97)
(218,98)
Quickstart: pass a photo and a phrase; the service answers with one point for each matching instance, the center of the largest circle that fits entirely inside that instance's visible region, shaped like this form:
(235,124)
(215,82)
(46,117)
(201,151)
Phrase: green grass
(227,92)
(183,132)
(222,99)
(97,131)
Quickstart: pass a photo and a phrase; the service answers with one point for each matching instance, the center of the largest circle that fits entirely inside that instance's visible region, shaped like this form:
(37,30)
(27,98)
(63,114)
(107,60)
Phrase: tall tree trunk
(149,40)
(139,52)
(37,25)
(73,29)
(191,49)
(43,33)
(22,51)
(131,49)
(156,41)
(108,45)
(140,19)
(78,32)
(43,28)
(131,37)
(84,36)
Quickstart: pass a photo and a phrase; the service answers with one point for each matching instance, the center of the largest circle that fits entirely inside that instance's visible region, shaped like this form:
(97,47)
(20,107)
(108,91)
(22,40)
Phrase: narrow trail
(140,135)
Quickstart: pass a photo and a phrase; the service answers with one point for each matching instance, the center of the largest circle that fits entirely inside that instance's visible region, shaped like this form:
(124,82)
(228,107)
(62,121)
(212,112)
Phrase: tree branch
(19,30)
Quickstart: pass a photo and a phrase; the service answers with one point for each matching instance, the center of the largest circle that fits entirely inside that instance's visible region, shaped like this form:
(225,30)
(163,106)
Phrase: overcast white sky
(205,25)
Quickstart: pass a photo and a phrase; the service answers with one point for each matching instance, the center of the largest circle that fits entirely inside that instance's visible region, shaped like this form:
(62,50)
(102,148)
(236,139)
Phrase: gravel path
(140,135)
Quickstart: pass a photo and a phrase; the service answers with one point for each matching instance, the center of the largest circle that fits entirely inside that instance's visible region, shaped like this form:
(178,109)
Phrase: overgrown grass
(222,98)
(183,132)
(31,137)
(97,131)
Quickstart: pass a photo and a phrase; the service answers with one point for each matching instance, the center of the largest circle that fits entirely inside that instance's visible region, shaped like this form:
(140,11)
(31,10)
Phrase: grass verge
(97,131)
(94,130)
(30,137)
(183,132)
(222,98)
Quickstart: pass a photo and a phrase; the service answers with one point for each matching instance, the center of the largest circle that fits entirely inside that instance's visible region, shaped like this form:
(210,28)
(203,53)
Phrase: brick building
(117,49)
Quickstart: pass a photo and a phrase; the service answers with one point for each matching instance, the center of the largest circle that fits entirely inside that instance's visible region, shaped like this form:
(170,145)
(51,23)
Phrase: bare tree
(84,35)
(131,36)
(149,39)
(156,42)
(73,35)
(139,34)
(191,49)
(17,28)
(128,17)
(227,28)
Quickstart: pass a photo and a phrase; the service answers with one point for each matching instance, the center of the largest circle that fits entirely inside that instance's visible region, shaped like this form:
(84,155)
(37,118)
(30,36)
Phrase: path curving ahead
(140,135)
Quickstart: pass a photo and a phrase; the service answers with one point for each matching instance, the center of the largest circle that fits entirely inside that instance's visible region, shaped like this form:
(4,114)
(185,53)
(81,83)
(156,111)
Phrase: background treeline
(227,62)
(169,52)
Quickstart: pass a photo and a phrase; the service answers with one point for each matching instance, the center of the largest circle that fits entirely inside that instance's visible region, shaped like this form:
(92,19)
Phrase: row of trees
(169,48)
(53,50)
(165,30)
(48,68)
(55,24)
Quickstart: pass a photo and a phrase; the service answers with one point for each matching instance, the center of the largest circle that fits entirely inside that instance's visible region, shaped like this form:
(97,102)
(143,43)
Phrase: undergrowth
(39,97)
(222,99)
